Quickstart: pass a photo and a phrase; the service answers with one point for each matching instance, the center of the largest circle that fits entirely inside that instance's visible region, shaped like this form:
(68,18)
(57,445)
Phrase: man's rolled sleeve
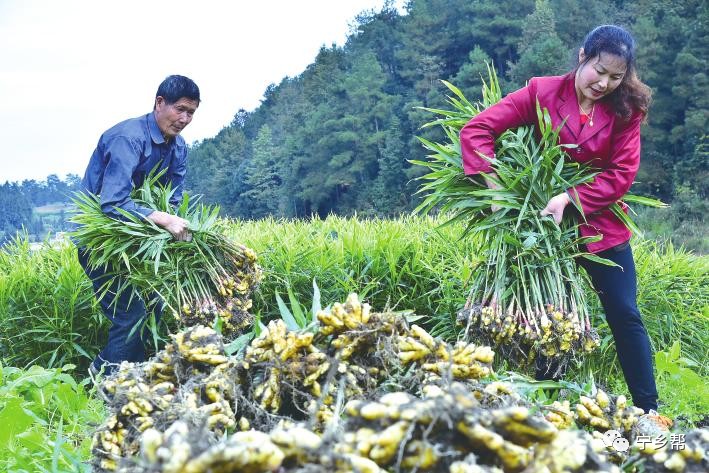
(123,157)
(178,177)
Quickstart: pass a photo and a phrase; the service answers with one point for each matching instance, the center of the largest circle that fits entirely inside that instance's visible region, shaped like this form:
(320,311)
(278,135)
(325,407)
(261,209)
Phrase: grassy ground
(48,315)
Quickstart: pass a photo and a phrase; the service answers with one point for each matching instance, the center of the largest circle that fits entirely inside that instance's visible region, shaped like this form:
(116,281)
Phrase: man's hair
(173,88)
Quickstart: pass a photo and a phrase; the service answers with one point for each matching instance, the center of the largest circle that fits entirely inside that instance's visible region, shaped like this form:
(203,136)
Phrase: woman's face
(598,77)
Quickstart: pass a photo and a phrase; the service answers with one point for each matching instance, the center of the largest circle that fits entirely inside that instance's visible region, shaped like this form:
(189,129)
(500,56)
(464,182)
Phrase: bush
(683,223)
(406,263)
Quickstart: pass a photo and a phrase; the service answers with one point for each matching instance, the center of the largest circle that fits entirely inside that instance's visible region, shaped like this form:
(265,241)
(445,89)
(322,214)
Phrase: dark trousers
(617,290)
(126,337)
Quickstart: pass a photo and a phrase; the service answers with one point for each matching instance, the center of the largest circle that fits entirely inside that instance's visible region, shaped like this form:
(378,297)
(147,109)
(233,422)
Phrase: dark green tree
(389,194)
(692,92)
(469,76)
(574,19)
(663,30)
(212,165)
(15,208)
(541,52)
(261,174)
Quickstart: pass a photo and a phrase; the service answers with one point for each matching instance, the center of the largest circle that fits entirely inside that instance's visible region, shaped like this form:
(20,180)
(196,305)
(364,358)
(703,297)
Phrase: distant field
(50,209)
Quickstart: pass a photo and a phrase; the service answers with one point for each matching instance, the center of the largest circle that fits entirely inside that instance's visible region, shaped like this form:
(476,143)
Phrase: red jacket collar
(568,109)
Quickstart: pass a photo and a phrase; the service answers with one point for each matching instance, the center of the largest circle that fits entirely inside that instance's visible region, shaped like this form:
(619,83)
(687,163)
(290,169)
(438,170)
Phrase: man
(124,156)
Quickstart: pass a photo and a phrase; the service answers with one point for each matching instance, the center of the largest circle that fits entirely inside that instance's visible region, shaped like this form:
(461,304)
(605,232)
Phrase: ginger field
(413,275)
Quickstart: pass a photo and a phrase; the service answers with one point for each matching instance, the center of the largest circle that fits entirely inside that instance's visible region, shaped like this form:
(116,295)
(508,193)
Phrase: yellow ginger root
(200,344)
(108,444)
(512,456)
(351,463)
(516,423)
(469,465)
(356,313)
(419,455)
(497,392)
(150,441)
(693,455)
(296,442)
(462,361)
(283,372)
(246,452)
(570,451)
(352,315)
(363,439)
(559,414)
(424,337)
(605,413)
(175,450)
(386,443)
(411,349)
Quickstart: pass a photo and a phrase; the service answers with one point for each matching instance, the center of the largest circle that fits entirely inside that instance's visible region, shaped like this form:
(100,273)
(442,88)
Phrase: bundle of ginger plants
(527,294)
(209,279)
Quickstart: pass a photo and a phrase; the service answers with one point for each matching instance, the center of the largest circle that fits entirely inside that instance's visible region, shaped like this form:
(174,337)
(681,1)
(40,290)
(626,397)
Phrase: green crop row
(48,315)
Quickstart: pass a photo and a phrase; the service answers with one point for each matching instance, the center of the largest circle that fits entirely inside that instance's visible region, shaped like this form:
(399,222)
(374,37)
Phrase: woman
(599,105)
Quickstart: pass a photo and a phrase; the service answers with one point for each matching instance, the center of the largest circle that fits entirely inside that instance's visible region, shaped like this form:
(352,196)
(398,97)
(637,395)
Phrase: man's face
(173,118)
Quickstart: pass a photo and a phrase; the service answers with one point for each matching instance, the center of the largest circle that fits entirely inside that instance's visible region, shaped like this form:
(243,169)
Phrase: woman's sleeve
(613,182)
(479,134)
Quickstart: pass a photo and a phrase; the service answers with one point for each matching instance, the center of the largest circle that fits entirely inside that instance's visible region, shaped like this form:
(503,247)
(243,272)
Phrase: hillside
(338,137)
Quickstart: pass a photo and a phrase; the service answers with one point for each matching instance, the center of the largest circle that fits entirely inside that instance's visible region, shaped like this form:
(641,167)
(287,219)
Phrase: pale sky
(70,69)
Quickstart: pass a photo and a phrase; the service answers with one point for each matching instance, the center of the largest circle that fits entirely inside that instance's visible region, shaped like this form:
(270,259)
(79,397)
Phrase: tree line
(19,199)
(339,136)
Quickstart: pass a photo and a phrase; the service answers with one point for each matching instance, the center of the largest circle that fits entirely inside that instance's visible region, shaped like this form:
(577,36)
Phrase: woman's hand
(493,186)
(555,207)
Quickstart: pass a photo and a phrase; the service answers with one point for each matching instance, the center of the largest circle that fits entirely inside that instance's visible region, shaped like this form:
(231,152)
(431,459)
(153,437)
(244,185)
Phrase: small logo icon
(609,437)
(621,444)
(613,439)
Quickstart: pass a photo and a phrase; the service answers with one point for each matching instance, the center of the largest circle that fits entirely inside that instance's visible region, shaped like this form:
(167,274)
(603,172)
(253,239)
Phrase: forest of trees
(338,137)
(19,199)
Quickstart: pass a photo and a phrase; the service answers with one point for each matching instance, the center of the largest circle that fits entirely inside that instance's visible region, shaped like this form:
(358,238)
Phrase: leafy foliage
(686,393)
(46,419)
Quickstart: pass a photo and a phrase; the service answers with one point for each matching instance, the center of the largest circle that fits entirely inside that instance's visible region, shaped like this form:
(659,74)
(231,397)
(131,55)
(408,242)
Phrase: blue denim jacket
(125,155)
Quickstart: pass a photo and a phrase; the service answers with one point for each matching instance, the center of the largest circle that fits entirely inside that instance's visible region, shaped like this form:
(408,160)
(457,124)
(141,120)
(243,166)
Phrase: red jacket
(611,144)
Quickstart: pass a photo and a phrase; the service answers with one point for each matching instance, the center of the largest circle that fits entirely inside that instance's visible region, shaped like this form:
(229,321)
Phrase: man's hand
(555,207)
(177,226)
